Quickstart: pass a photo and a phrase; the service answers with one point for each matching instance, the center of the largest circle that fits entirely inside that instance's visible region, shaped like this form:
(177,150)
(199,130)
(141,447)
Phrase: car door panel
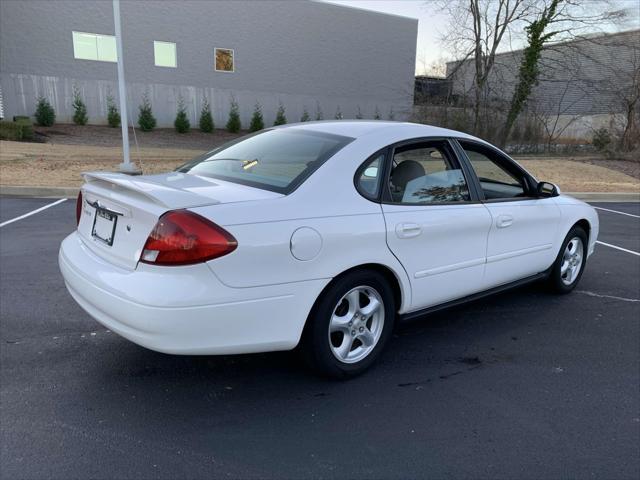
(442,248)
(521,239)
(523,226)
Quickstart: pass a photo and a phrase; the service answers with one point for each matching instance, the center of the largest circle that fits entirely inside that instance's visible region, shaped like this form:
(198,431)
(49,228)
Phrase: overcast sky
(431,24)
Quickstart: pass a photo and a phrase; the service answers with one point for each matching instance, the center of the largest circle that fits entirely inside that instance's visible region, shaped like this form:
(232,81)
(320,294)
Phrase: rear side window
(277,160)
(369,175)
(426,173)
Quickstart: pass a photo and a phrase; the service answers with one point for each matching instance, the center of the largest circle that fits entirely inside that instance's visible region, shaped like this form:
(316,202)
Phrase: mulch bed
(104,136)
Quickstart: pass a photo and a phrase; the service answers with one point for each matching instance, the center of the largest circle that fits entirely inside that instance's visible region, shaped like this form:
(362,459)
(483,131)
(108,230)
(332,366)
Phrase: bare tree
(558,19)
(478,28)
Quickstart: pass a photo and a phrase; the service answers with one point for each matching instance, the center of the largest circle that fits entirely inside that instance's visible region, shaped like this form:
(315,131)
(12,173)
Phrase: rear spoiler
(145,189)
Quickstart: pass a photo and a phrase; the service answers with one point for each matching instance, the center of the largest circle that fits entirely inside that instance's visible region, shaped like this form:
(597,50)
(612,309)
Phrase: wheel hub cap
(572,259)
(356,324)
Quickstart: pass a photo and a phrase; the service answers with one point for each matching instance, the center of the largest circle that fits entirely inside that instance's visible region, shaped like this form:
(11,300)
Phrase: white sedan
(319,234)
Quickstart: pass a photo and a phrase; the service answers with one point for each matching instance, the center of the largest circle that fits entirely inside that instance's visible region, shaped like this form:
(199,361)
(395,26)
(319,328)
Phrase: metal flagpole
(126,166)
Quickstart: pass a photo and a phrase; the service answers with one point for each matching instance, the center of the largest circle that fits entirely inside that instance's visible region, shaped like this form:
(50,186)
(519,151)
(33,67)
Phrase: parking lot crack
(612,297)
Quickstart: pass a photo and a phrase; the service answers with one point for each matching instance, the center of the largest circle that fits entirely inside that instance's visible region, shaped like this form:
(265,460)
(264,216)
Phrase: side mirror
(547,189)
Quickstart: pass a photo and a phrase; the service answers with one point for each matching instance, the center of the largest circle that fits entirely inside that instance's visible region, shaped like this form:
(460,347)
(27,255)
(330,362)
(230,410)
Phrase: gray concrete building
(584,84)
(303,54)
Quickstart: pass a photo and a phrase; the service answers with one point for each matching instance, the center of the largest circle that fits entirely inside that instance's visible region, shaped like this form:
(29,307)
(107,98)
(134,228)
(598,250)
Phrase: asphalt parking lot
(520,385)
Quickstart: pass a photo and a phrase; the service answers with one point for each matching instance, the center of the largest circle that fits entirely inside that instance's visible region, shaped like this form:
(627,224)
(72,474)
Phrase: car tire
(349,325)
(570,262)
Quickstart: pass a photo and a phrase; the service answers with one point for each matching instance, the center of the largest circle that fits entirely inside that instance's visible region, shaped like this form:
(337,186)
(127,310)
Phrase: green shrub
(26,128)
(233,123)
(206,119)
(181,122)
(45,115)
(305,115)
(257,122)
(79,108)
(10,131)
(338,115)
(146,120)
(281,118)
(392,114)
(359,114)
(376,115)
(21,129)
(113,116)
(601,139)
(319,114)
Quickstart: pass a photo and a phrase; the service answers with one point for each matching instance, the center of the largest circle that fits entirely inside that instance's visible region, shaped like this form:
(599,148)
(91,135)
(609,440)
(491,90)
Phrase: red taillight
(78,208)
(182,237)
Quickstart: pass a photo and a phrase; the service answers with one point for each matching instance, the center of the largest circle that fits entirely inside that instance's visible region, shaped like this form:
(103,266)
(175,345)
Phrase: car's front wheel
(570,263)
(350,324)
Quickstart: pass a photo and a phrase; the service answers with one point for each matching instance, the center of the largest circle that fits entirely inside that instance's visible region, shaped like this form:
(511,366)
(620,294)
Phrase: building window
(93,46)
(165,54)
(224,60)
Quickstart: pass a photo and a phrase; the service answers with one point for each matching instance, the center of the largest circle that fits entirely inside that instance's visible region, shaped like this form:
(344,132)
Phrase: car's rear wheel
(570,263)
(350,324)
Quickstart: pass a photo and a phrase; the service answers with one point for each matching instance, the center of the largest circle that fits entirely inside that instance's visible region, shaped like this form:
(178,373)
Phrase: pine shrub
(338,115)
(257,122)
(233,123)
(206,119)
(359,114)
(376,115)
(113,116)
(146,120)
(79,108)
(281,118)
(45,115)
(181,122)
(319,115)
(601,139)
(305,115)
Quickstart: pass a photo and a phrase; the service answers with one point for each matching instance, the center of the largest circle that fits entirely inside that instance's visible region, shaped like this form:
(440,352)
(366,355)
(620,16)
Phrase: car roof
(360,128)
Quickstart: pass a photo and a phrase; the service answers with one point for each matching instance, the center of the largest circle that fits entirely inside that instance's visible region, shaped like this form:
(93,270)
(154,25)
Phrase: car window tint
(496,181)
(369,179)
(277,160)
(426,173)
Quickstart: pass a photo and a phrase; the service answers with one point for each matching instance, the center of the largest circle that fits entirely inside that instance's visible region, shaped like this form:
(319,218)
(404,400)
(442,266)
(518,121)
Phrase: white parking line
(618,248)
(616,211)
(33,212)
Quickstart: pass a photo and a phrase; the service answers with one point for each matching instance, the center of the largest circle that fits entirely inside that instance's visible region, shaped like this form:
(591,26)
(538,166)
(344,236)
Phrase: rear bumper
(185,310)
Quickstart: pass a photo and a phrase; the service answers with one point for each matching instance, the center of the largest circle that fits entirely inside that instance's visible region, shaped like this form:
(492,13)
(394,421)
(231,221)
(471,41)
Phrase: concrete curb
(605,196)
(72,192)
(42,192)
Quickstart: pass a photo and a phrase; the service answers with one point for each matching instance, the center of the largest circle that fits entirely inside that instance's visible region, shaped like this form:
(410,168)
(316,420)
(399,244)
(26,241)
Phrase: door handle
(504,221)
(408,230)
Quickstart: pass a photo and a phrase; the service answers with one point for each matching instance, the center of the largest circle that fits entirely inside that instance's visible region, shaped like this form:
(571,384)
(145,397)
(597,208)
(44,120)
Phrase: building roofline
(365,10)
(582,38)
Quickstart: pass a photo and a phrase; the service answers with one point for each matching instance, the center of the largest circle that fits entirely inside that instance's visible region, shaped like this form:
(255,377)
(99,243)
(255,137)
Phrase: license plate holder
(104,226)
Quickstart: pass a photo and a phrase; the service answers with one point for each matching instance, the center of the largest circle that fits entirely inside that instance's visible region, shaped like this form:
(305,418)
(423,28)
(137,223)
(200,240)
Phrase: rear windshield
(278,160)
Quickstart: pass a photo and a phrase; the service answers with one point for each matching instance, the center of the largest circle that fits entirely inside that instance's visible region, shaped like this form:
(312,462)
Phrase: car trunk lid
(119,211)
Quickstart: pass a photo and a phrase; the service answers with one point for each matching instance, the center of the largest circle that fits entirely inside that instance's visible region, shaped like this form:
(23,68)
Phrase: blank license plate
(104,226)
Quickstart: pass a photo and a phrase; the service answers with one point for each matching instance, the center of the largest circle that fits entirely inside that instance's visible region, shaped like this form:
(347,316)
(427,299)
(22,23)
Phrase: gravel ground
(68,150)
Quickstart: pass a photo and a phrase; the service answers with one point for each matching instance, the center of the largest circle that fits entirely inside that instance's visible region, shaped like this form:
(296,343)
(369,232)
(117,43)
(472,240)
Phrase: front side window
(93,46)
(496,179)
(224,60)
(425,173)
(164,54)
(276,160)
